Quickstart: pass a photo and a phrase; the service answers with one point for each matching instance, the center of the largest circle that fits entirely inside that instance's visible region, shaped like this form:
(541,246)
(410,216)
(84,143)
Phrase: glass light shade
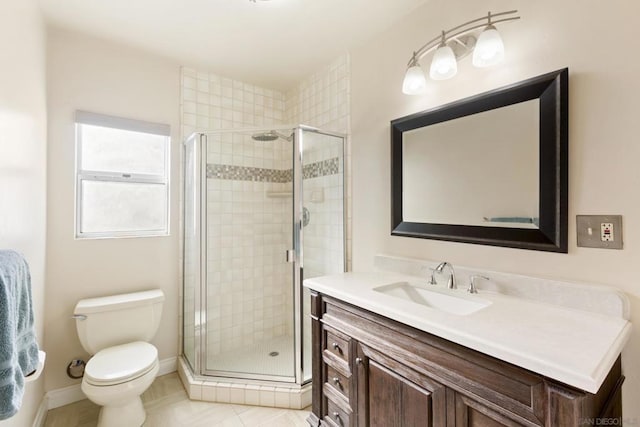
(414,81)
(489,48)
(444,64)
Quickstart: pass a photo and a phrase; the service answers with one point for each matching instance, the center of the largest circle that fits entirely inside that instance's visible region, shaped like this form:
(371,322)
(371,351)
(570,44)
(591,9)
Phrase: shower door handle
(291,256)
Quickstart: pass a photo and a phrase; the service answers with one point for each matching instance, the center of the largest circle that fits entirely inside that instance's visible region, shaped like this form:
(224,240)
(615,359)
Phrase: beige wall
(23,124)
(597,42)
(93,75)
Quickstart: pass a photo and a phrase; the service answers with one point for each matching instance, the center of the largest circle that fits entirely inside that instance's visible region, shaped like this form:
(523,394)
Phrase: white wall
(90,74)
(597,43)
(23,159)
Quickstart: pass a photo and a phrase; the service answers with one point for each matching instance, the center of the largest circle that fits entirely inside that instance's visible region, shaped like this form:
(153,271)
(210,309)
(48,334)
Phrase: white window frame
(93,119)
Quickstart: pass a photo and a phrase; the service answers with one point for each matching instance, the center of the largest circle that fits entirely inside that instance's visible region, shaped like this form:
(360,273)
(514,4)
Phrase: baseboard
(168,366)
(41,414)
(64,396)
(67,395)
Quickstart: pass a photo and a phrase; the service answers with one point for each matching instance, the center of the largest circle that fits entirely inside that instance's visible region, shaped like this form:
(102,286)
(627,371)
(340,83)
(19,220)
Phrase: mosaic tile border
(321,168)
(246,173)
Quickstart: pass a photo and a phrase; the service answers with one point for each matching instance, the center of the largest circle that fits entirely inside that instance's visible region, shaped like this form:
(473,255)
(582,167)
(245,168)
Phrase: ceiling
(273,43)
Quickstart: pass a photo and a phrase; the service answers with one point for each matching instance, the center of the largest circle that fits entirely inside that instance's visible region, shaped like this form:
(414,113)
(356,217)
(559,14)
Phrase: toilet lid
(121,363)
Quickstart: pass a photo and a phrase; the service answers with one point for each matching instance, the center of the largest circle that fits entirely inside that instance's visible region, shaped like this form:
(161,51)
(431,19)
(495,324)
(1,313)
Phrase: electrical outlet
(606,232)
(599,231)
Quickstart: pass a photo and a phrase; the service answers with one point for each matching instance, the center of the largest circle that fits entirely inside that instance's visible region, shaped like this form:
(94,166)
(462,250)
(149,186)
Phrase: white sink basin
(447,302)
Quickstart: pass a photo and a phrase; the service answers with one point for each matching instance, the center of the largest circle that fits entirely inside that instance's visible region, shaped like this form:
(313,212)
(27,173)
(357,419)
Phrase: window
(122,177)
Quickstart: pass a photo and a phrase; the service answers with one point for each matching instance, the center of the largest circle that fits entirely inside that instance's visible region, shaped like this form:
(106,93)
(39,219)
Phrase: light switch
(599,231)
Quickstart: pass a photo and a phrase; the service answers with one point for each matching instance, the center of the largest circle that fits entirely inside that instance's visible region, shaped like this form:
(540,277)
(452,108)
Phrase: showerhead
(270,135)
(265,136)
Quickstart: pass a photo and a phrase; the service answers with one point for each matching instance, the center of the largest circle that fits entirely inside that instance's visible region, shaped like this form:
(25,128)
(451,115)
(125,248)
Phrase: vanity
(391,350)
(396,348)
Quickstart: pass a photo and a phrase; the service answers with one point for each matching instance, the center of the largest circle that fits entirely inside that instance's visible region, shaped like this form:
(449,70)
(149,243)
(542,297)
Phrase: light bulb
(414,80)
(444,64)
(489,49)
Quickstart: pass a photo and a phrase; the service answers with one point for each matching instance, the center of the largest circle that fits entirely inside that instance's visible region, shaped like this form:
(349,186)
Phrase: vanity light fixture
(453,45)
(444,64)
(414,81)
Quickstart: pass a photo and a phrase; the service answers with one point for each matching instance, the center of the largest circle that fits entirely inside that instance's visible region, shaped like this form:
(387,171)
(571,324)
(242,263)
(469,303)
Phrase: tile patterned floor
(167,405)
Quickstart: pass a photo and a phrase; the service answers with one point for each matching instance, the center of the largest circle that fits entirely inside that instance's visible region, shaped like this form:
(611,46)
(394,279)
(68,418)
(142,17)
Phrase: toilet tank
(118,319)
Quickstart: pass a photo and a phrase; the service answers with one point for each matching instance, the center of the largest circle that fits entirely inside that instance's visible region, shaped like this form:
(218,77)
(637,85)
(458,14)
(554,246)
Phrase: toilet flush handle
(79,316)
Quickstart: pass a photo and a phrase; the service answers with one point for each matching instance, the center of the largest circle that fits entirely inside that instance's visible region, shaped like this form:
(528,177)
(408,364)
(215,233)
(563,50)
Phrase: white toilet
(116,330)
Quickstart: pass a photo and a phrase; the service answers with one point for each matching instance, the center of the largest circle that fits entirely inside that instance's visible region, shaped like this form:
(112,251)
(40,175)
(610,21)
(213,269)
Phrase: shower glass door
(249,313)
(322,240)
(191,247)
(263,211)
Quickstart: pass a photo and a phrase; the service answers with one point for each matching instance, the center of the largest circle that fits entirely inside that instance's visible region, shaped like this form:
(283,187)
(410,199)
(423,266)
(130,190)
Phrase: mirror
(490,169)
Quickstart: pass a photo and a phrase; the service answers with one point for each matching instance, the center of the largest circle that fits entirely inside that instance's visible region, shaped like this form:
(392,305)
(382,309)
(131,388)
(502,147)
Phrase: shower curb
(218,391)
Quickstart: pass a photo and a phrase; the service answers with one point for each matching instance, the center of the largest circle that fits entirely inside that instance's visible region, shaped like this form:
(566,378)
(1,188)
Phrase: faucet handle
(432,279)
(472,284)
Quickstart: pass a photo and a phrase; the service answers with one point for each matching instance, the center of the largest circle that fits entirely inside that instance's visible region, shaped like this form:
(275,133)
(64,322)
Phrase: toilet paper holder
(75,369)
(42,356)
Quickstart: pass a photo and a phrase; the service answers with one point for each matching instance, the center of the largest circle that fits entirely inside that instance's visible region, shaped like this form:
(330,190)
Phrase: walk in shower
(263,210)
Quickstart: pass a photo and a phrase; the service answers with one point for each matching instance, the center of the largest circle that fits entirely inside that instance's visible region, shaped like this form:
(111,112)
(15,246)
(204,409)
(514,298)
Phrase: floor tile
(168,405)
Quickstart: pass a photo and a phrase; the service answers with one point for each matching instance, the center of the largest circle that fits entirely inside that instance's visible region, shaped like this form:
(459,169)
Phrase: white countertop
(572,346)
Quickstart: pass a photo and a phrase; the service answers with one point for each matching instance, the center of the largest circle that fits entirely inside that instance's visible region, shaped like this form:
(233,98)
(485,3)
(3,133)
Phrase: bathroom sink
(447,302)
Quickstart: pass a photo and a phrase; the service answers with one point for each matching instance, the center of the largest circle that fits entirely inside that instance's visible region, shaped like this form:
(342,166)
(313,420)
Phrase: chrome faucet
(432,279)
(472,283)
(451,283)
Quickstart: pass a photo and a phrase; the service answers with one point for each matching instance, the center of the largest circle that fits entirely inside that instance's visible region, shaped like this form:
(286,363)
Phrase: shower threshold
(244,392)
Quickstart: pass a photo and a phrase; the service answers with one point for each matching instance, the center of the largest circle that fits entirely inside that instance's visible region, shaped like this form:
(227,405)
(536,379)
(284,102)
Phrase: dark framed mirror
(491,169)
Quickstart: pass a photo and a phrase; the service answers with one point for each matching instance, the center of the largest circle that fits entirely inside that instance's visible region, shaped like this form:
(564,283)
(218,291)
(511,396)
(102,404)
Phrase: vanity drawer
(337,346)
(340,383)
(336,416)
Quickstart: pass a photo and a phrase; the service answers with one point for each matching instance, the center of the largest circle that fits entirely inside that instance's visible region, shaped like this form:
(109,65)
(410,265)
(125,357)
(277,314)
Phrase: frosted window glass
(122,207)
(117,150)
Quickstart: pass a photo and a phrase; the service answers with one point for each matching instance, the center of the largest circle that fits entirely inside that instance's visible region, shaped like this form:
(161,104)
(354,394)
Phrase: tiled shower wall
(211,102)
(249,286)
(247,230)
(323,100)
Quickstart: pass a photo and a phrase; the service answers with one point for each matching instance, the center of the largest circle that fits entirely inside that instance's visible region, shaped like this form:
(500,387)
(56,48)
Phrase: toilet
(116,330)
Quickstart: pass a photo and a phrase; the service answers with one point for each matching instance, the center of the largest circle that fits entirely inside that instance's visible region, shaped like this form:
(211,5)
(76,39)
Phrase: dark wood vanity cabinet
(371,371)
(390,394)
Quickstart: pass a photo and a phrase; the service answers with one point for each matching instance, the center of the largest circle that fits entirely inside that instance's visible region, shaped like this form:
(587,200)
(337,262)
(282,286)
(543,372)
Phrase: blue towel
(18,345)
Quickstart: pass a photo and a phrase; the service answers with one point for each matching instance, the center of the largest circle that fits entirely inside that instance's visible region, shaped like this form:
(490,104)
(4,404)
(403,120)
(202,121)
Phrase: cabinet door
(392,395)
(470,413)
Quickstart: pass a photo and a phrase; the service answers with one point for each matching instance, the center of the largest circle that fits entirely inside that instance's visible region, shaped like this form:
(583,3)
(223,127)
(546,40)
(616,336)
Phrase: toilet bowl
(116,377)
(115,330)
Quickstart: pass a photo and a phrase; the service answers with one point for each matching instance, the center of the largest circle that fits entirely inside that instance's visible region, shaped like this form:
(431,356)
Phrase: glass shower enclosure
(263,210)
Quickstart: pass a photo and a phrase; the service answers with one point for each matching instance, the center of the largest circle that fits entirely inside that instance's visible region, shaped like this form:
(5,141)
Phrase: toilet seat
(120,364)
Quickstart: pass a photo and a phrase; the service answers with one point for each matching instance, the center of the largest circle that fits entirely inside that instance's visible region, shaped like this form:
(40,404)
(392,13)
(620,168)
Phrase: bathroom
(51,70)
